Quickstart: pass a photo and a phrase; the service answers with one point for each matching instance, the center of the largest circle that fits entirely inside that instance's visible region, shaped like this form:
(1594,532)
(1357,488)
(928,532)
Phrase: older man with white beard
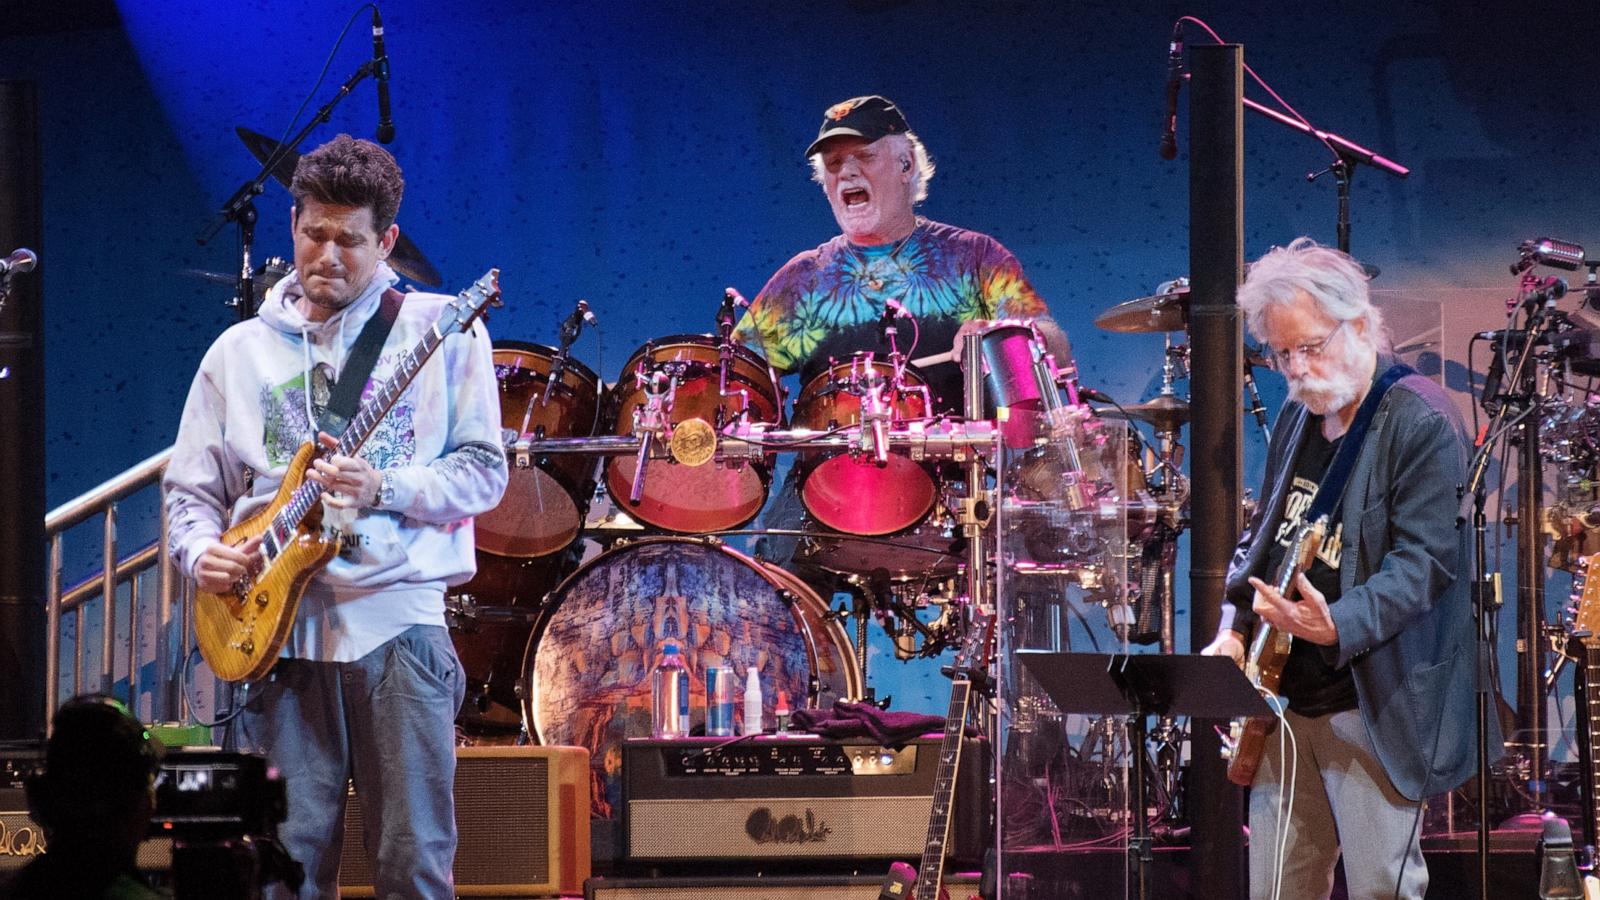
(1379,683)
(827,302)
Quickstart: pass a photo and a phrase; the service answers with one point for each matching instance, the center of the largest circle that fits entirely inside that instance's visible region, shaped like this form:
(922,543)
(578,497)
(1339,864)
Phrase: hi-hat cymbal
(1168,311)
(1166,412)
(405,259)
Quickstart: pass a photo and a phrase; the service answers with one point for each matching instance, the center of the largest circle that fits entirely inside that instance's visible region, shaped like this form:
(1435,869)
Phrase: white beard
(1329,394)
(1323,396)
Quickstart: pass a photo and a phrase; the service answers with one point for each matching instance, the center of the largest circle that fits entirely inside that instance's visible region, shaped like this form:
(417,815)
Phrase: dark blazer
(1404,614)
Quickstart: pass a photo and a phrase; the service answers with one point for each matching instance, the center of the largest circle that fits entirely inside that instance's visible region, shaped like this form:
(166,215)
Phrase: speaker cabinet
(774,887)
(522,824)
(21,839)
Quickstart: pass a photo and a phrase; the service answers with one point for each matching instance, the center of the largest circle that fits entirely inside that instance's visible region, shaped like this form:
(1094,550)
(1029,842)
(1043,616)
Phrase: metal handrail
(102,501)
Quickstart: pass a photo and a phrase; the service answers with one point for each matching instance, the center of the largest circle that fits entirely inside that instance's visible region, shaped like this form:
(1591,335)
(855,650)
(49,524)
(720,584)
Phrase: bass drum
(587,668)
(544,504)
(491,618)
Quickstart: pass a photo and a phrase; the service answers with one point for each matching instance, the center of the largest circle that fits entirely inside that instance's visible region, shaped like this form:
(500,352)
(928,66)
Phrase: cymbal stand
(975,507)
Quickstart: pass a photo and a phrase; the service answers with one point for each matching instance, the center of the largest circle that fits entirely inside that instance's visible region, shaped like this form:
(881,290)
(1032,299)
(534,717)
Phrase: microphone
(1169,122)
(1089,393)
(21,260)
(1548,252)
(380,71)
(580,316)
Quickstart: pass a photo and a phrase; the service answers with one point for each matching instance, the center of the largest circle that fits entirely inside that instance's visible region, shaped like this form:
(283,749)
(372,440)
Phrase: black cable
(282,150)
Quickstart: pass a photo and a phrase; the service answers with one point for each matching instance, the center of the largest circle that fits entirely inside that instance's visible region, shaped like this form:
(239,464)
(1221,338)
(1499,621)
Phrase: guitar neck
(1586,694)
(930,874)
(361,427)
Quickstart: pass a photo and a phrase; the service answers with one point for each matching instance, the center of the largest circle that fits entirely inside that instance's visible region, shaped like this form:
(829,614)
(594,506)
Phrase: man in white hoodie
(368,684)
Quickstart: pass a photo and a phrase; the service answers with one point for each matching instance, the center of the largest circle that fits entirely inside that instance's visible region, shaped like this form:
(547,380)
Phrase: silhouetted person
(94,802)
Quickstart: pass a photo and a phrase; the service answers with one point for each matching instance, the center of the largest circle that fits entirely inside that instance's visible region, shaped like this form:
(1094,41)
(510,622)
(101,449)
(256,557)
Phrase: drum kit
(613,533)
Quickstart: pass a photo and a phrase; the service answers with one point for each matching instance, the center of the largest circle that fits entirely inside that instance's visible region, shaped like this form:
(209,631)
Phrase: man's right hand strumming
(1227,643)
(221,566)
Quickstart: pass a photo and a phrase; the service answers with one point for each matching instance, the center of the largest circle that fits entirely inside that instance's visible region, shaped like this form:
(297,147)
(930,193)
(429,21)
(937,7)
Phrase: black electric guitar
(927,882)
(241,632)
(1584,648)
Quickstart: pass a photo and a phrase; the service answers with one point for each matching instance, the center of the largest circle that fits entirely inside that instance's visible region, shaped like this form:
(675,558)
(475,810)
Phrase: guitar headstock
(976,650)
(1586,596)
(472,303)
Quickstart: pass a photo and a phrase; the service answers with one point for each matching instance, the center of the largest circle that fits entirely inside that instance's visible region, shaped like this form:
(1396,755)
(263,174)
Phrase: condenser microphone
(380,71)
(1169,123)
(21,260)
(1548,252)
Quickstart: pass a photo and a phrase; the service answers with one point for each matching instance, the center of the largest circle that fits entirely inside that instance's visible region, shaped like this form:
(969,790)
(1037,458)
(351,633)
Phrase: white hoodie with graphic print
(249,410)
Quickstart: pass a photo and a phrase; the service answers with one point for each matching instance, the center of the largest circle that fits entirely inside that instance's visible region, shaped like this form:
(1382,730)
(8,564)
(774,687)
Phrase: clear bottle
(669,694)
(752,701)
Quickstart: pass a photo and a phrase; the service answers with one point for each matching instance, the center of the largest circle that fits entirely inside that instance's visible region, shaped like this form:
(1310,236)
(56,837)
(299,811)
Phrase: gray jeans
(386,722)
(1343,801)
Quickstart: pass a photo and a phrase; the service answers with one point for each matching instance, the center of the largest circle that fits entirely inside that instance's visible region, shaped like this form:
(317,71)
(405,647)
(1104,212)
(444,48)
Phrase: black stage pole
(1216,266)
(22,500)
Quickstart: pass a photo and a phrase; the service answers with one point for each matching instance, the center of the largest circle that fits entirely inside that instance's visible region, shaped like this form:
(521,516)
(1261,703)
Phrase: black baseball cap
(869,118)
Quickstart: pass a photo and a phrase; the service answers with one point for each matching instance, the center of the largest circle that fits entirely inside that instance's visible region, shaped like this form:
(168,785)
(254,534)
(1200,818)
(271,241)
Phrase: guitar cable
(1285,807)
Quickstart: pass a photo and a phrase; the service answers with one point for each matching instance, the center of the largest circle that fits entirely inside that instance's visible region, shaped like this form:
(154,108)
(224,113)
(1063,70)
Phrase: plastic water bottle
(752,701)
(669,695)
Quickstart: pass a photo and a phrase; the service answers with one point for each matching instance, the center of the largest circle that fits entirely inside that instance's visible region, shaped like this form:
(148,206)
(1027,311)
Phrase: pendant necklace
(874,269)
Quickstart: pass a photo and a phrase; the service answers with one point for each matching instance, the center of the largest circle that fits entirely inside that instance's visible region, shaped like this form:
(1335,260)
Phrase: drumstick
(934,359)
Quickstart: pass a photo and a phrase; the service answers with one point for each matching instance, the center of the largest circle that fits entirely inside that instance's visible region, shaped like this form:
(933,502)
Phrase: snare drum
(846,491)
(694,499)
(545,502)
(587,669)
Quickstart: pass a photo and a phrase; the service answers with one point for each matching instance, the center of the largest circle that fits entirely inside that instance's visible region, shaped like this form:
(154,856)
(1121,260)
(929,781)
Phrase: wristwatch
(385,491)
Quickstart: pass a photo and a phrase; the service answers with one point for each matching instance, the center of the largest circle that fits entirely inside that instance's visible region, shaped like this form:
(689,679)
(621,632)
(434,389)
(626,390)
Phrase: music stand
(1140,686)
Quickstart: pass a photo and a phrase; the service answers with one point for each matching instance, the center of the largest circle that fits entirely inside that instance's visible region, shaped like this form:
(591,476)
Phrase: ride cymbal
(1167,311)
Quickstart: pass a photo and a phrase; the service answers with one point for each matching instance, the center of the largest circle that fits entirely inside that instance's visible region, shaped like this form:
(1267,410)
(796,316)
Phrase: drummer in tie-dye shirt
(827,302)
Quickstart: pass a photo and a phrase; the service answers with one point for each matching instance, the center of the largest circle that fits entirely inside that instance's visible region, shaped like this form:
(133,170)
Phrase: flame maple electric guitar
(1268,652)
(241,632)
(927,881)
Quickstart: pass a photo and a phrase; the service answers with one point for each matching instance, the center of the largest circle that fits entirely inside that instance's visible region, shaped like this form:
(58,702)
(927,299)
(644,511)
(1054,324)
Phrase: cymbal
(270,273)
(405,259)
(1166,412)
(1167,311)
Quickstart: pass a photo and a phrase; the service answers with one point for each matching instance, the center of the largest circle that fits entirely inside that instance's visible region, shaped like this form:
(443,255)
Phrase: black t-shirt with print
(1312,687)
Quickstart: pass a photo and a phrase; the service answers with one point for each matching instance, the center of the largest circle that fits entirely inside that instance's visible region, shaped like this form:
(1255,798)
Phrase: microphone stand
(1485,594)
(240,208)
(1347,154)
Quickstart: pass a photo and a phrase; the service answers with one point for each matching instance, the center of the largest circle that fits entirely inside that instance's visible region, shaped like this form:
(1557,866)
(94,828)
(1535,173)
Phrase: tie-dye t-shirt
(827,302)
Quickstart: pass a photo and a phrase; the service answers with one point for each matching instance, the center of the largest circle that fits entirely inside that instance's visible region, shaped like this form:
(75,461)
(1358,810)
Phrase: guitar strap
(1331,489)
(358,368)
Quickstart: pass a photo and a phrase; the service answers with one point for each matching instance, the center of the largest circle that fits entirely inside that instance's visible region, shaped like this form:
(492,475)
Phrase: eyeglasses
(1280,359)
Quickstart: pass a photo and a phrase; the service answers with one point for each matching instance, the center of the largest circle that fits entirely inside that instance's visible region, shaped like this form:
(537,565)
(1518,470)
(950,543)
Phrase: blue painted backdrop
(645,154)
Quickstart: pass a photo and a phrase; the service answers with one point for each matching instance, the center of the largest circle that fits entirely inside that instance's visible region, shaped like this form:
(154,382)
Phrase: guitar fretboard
(1587,695)
(930,874)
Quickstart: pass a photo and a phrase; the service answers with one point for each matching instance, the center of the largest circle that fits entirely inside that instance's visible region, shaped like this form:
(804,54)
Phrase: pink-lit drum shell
(587,667)
(852,493)
(695,499)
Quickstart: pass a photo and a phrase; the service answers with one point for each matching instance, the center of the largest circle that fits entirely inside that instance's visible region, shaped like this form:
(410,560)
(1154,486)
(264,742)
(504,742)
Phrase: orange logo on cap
(840,110)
